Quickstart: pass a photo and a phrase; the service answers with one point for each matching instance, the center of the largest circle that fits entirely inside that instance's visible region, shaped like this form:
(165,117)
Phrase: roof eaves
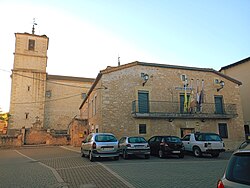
(91,89)
(235,64)
(69,78)
(228,77)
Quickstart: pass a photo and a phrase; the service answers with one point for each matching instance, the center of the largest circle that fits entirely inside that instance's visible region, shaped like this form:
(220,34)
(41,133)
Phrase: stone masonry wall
(123,86)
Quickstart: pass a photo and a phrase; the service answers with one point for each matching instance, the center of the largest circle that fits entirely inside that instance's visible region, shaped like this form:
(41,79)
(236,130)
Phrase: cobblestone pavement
(189,172)
(17,171)
(61,167)
(74,170)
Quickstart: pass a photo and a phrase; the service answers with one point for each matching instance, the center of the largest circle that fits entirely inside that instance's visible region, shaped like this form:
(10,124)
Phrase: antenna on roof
(33,28)
(119,63)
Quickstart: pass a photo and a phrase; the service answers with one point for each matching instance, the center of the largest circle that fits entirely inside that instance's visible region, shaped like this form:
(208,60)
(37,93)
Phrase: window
(29,88)
(183,77)
(84,95)
(26,115)
(48,93)
(94,112)
(223,130)
(31,44)
(185,131)
(143,101)
(186,138)
(246,128)
(216,81)
(218,104)
(142,128)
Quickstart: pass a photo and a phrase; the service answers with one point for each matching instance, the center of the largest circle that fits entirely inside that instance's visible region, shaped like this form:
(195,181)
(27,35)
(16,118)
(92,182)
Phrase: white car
(207,143)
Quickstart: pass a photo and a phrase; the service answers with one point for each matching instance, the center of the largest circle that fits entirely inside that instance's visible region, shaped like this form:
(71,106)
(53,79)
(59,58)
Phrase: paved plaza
(63,167)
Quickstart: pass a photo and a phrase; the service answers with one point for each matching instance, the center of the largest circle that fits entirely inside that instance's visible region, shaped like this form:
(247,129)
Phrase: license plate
(175,151)
(139,146)
(107,149)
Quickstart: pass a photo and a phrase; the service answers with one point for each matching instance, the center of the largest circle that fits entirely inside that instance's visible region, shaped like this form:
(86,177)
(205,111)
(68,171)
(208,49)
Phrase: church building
(37,98)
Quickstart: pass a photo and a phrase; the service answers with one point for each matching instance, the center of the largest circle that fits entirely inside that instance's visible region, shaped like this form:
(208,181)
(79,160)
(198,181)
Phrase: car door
(186,142)
(86,146)
(122,143)
(158,140)
(151,143)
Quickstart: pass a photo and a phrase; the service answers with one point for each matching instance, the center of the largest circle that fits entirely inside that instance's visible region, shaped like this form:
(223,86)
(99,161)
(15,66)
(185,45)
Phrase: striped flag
(185,97)
(201,98)
(197,95)
(192,102)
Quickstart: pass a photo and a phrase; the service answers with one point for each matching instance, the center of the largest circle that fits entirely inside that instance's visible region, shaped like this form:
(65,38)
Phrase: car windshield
(207,137)
(239,169)
(105,138)
(136,140)
(172,139)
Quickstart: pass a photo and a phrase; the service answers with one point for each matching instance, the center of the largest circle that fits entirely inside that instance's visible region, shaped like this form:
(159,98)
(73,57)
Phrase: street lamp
(222,84)
(145,77)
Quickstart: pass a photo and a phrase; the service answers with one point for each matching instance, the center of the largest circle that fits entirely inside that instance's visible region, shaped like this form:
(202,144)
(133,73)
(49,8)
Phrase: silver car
(135,145)
(99,145)
(237,173)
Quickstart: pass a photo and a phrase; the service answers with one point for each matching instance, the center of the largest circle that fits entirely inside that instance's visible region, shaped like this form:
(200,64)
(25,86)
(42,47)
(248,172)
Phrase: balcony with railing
(175,110)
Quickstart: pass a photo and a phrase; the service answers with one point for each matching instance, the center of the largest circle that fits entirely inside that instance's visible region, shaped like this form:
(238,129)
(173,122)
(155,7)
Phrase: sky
(86,36)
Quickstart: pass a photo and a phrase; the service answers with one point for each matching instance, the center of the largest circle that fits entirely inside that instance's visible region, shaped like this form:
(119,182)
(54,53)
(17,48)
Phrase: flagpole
(197,95)
(201,99)
(185,97)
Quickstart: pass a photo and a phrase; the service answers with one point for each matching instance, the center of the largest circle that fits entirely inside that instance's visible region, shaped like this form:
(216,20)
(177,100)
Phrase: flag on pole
(185,97)
(201,98)
(197,95)
(192,102)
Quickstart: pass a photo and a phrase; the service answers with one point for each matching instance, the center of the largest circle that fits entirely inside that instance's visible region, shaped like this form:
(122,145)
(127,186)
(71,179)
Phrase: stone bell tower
(28,80)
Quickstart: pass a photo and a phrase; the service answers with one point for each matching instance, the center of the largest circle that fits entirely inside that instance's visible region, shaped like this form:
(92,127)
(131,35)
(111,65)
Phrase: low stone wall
(40,136)
(57,139)
(10,141)
(33,137)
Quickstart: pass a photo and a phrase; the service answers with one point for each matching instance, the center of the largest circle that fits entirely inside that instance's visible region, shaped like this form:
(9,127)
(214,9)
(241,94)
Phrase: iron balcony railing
(171,110)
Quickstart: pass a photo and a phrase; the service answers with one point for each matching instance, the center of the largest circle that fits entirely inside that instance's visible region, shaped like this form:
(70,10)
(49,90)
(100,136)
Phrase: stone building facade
(240,71)
(148,99)
(36,96)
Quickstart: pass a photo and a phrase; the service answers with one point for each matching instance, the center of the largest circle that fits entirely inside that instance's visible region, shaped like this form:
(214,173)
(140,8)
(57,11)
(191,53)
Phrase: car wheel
(82,154)
(181,156)
(161,154)
(91,157)
(147,156)
(116,158)
(215,155)
(124,154)
(197,152)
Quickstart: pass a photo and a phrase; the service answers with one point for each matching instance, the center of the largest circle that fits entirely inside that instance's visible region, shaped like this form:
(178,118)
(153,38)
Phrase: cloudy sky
(86,36)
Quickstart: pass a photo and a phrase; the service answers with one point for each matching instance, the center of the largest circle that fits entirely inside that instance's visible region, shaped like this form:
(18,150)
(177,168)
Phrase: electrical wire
(43,80)
(71,96)
(52,100)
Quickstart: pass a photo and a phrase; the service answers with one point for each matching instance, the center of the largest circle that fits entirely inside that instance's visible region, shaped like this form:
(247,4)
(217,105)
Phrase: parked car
(207,143)
(166,145)
(237,173)
(98,145)
(135,145)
